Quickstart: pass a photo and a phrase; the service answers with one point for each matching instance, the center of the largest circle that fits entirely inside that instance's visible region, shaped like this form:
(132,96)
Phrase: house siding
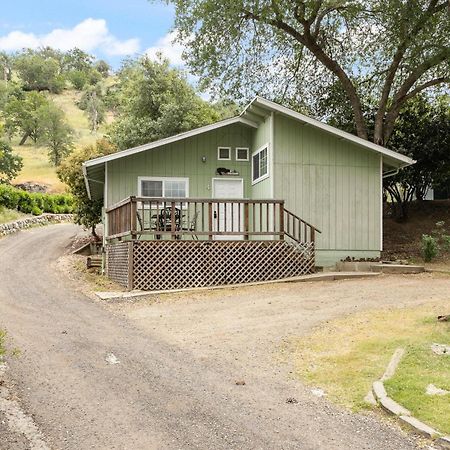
(332,184)
(262,136)
(182,159)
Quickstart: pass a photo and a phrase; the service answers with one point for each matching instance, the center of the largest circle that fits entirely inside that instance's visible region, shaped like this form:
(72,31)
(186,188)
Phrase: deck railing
(196,218)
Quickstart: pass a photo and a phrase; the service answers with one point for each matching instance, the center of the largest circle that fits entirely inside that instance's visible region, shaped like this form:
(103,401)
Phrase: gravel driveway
(161,373)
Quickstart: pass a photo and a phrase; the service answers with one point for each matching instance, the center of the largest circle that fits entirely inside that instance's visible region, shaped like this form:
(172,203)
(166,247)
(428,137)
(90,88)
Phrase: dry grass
(346,355)
(9,215)
(37,168)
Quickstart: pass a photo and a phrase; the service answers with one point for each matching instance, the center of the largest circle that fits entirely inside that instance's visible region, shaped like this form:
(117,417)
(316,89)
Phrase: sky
(108,29)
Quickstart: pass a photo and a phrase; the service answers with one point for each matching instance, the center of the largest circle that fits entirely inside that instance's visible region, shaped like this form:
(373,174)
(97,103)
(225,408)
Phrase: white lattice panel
(165,265)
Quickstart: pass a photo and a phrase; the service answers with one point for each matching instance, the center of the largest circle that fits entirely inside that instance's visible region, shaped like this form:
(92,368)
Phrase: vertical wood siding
(182,159)
(330,183)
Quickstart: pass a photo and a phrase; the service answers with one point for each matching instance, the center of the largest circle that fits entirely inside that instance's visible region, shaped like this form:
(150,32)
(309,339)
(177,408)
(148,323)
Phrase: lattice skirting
(165,265)
(119,264)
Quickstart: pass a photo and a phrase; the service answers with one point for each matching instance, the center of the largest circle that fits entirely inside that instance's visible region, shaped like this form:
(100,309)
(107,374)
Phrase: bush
(430,247)
(34,203)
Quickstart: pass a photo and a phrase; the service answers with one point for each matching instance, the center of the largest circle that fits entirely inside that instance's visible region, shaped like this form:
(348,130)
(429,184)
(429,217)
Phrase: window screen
(151,188)
(260,164)
(241,154)
(224,153)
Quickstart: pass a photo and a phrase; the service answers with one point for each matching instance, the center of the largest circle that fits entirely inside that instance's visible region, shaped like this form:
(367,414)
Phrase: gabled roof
(259,108)
(252,115)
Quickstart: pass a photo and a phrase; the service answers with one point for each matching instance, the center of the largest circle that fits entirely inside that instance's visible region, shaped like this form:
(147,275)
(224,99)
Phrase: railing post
(210,220)
(282,220)
(313,234)
(246,221)
(172,220)
(133,216)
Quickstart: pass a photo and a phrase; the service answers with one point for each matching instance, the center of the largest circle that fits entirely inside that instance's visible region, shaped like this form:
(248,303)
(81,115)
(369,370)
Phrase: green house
(270,187)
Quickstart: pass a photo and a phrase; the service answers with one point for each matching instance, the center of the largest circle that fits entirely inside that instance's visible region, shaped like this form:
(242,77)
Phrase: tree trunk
(94,233)
(24,138)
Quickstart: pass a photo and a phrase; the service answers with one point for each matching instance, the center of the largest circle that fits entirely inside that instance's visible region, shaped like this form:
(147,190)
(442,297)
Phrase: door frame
(225,237)
(226,179)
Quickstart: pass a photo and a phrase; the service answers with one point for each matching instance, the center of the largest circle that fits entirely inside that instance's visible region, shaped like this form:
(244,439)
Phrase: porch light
(203,159)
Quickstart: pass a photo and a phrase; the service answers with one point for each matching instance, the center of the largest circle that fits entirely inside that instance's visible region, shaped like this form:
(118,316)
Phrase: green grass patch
(10,215)
(345,356)
(419,368)
(2,343)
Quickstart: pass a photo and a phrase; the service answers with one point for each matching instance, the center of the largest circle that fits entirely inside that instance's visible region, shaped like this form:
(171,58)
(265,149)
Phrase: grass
(417,370)
(9,215)
(346,355)
(2,343)
(37,168)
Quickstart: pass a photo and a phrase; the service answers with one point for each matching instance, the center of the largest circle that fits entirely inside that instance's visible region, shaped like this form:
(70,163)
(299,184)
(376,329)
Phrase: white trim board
(266,175)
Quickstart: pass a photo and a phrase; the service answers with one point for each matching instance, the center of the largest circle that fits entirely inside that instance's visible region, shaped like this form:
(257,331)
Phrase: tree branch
(432,9)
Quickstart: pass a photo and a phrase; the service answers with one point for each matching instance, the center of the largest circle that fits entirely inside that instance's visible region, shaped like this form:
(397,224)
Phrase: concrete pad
(328,276)
(419,426)
(397,268)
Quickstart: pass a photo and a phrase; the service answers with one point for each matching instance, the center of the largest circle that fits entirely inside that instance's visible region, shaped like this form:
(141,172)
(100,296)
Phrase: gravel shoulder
(179,358)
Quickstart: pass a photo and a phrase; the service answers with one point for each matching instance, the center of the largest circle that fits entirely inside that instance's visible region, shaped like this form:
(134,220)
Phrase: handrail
(205,218)
(301,220)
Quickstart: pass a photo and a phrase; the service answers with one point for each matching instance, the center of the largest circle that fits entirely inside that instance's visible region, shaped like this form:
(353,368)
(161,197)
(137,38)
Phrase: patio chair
(192,226)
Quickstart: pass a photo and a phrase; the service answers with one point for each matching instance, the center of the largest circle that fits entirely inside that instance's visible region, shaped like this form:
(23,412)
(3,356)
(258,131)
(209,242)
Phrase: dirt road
(164,375)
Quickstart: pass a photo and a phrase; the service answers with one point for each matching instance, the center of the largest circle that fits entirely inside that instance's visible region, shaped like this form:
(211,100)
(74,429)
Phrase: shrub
(34,203)
(430,247)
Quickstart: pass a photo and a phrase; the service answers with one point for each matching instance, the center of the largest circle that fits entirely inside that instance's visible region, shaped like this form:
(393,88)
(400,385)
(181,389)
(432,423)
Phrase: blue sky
(109,29)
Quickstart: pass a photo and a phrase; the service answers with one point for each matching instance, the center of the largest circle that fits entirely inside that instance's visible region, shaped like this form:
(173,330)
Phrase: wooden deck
(164,244)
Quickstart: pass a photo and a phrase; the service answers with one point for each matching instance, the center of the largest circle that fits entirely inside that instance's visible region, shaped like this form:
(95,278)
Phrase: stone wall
(44,219)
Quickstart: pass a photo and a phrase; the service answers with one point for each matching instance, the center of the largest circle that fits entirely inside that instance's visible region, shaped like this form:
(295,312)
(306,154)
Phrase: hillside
(37,168)
(402,240)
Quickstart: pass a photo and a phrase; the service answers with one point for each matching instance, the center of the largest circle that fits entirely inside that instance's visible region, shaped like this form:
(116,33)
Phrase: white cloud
(171,50)
(89,35)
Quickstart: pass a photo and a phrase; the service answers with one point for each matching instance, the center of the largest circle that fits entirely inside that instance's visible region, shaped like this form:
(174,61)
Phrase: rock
(32,187)
(318,392)
(433,390)
(440,349)
(240,383)
(291,400)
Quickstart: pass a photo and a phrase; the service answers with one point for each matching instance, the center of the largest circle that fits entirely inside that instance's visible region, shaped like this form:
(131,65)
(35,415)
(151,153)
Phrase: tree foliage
(422,133)
(155,101)
(294,50)
(57,134)
(87,212)
(39,72)
(23,115)
(10,163)
(94,106)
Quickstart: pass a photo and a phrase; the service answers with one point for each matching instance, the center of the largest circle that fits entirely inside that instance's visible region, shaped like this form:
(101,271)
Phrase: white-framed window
(242,153)
(260,164)
(224,153)
(164,187)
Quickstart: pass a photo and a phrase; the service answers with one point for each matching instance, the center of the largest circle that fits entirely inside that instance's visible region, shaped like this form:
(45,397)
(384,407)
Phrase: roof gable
(259,108)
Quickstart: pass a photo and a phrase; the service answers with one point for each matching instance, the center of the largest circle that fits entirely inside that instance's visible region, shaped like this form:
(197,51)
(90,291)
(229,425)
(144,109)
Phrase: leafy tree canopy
(422,133)
(56,133)
(22,115)
(295,50)
(87,212)
(39,72)
(155,101)
(10,163)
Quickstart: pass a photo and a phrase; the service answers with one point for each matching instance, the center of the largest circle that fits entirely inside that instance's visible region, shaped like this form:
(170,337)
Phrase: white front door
(228,216)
